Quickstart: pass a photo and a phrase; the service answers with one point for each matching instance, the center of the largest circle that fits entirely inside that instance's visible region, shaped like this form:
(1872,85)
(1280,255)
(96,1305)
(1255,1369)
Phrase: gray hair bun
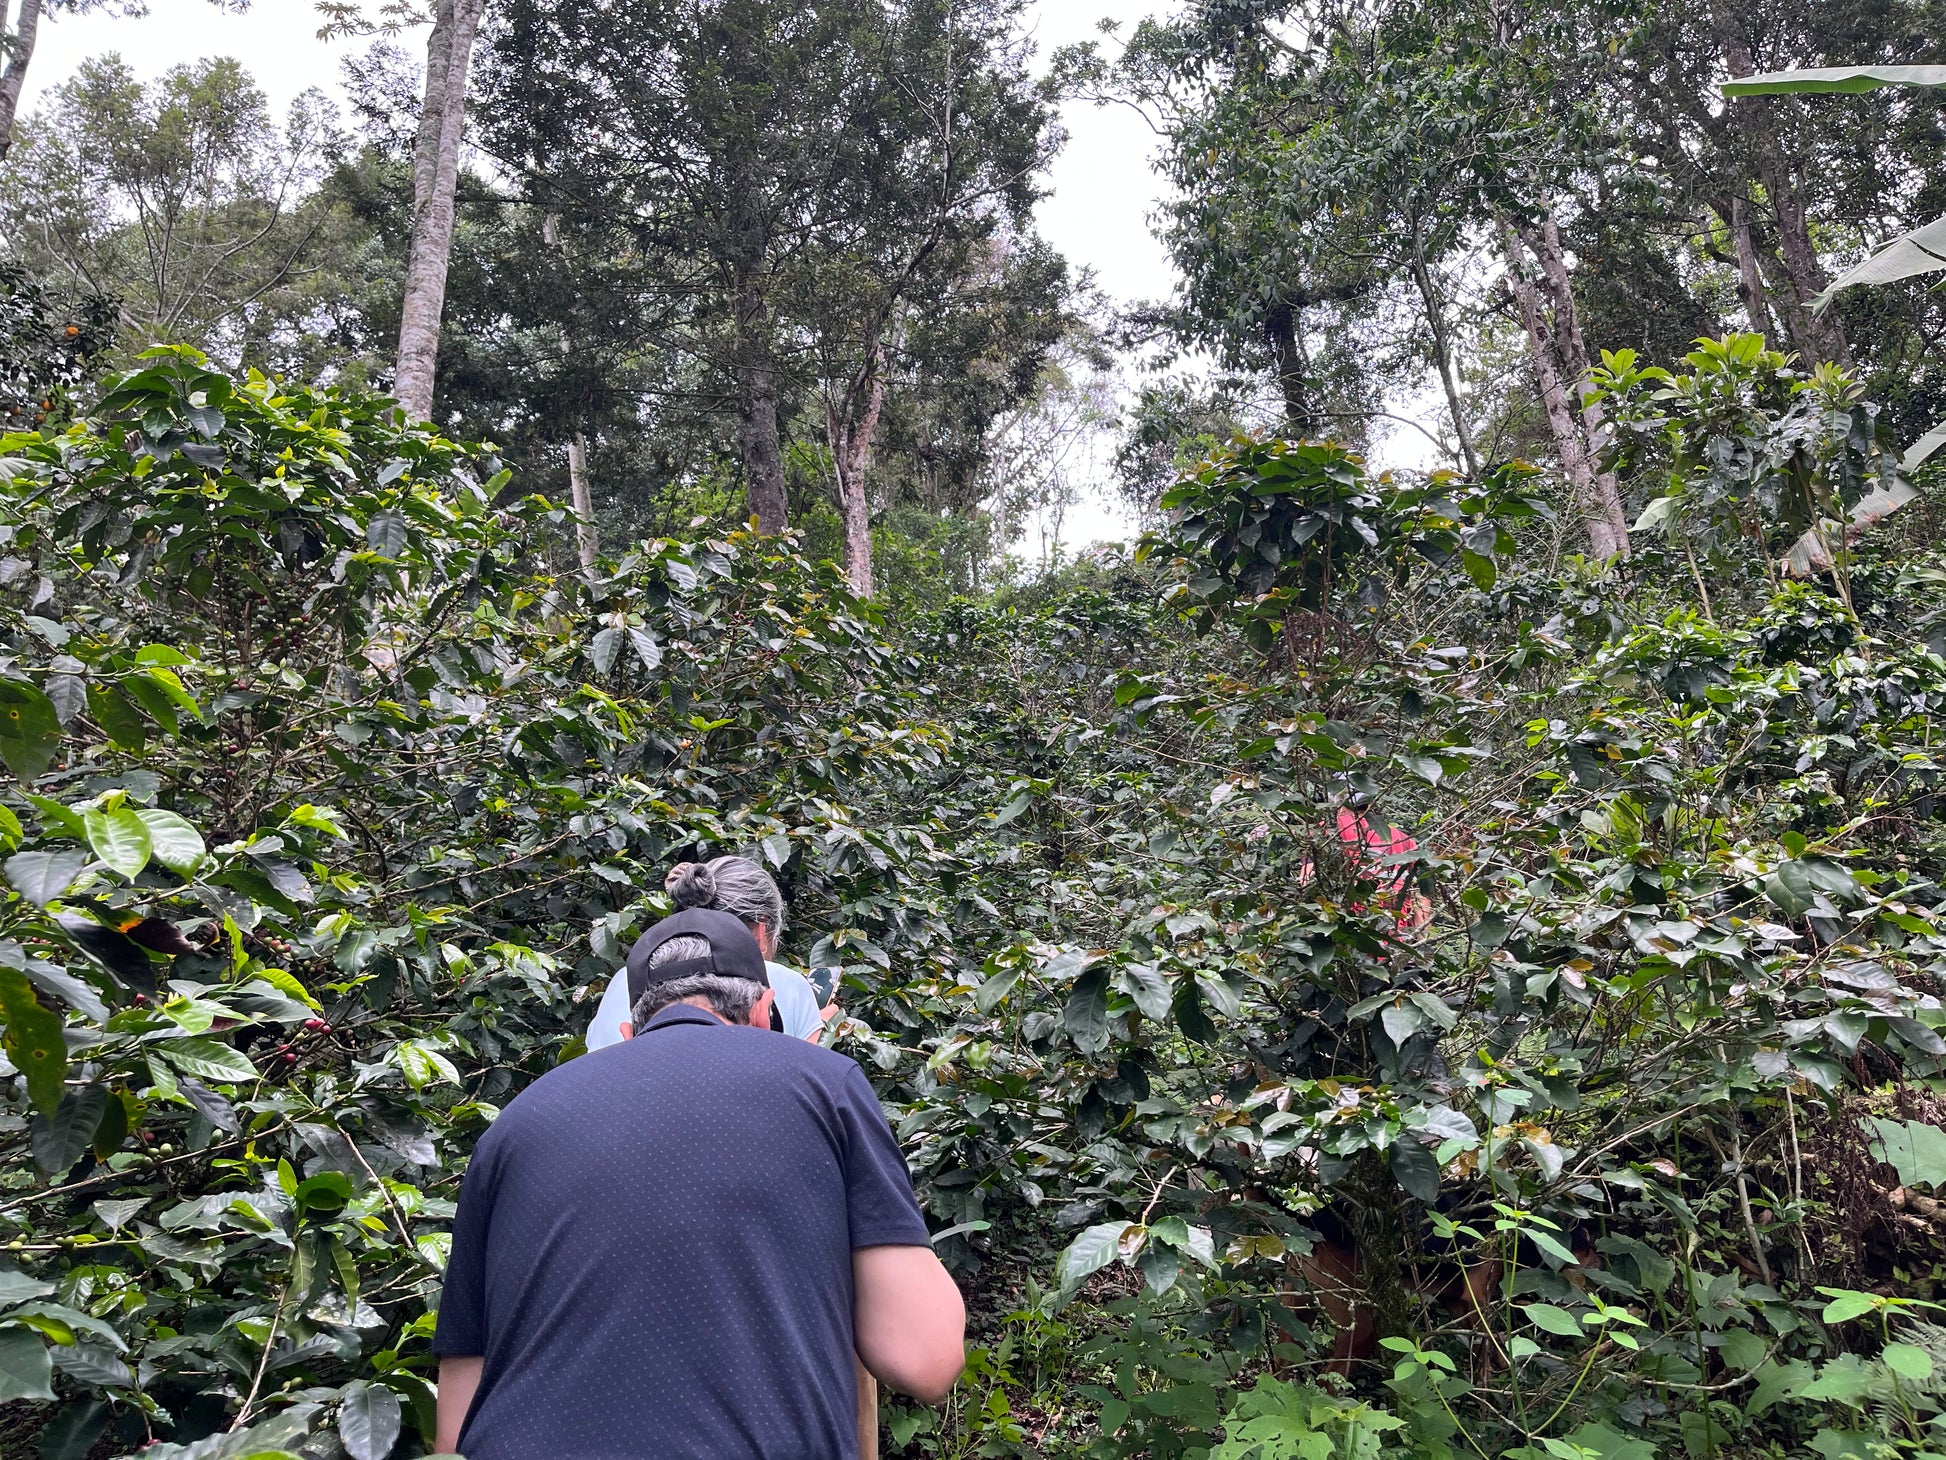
(692,885)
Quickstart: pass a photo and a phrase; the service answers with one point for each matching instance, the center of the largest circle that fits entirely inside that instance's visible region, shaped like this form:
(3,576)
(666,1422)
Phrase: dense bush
(1344,986)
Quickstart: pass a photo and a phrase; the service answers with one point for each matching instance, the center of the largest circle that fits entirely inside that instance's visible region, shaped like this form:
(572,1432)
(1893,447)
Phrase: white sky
(1102,187)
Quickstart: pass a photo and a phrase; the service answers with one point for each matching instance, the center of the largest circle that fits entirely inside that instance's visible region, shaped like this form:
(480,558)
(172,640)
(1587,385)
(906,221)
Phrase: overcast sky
(1102,188)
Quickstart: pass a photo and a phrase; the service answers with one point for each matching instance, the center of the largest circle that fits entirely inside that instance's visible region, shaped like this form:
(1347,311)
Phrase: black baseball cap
(733,951)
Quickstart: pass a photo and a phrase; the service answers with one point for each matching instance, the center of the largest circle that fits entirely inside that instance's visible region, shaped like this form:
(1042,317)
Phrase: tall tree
(435,178)
(789,179)
(185,203)
(20,23)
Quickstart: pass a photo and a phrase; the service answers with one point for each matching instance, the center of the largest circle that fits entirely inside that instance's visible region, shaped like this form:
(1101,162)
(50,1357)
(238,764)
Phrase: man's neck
(699,1002)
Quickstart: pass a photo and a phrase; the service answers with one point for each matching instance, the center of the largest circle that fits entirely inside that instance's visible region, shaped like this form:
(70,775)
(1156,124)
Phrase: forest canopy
(1407,961)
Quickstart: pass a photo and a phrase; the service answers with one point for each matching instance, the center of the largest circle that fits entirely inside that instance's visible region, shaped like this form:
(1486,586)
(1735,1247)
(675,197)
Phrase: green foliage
(1450,1033)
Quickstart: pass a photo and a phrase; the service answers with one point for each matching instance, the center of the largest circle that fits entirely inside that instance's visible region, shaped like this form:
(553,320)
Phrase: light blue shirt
(797,1005)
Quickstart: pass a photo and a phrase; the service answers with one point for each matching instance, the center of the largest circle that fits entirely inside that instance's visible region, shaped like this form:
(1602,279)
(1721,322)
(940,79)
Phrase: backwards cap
(733,951)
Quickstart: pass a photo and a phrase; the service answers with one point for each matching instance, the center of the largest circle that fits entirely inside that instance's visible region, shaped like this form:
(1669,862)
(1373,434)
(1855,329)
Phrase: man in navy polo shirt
(674,1248)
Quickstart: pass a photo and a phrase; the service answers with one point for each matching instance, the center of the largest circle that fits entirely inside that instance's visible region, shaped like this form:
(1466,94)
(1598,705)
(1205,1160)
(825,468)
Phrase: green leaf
(606,647)
(287,982)
(1090,1252)
(34,1042)
(25,1372)
(11,831)
(1842,79)
(1922,251)
(176,844)
(1742,1349)
(421,1065)
(154,699)
(120,838)
(73,1432)
(121,720)
(1908,1361)
(40,877)
(1148,987)
(326,1192)
(1415,1168)
(369,1422)
(385,534)
(1086,1014)
(208,1059)
(1552,1319)
(30,730)
(1479,568)
(1915,1149)
(58,818)
(1846,1305)
(992,992)
(60,1139)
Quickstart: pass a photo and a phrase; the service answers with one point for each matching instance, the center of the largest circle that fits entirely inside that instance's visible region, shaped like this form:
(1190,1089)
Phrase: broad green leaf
(286,982)
(605,649)
(1845,1305)
(385,534)
(1916,1150)
(41,877)
(1742,1349)
(25,1372)
(1827,79)
(1908,1361)
(30,729)
(1922,251)
(60,1139)
(992,992)
(1552,1319)
(72,1433)
(58,819)
(326,1192)
(1415,1168)
(120,838)
(1607,1443)
(11,831)
(1087,1254)
(208,1059)
(1086,1014)
(1148,987)
(176,844)
(121,720)
(34,1041)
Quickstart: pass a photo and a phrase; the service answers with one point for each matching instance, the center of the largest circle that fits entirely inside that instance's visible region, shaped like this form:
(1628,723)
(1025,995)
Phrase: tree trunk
(1750,279)
(1803,276)
(432,109)
(1569,428)
(1443,354)
(1571,348)
(851,457)
(26,25)
(1293,378)
(435,180)
(584,502)
(757,439)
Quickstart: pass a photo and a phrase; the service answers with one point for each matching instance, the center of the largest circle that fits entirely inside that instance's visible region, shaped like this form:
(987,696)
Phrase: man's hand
(909,1320)
(459,1379)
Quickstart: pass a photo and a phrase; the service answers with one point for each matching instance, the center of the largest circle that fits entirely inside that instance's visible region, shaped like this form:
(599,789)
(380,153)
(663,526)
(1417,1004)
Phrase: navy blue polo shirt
(653,1251)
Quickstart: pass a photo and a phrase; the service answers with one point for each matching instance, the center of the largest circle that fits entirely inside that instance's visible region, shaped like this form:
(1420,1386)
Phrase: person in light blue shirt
(739,886)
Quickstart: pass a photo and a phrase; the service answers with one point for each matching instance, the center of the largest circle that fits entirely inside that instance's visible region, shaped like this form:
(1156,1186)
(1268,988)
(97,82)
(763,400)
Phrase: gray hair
(731,998)
(735,885)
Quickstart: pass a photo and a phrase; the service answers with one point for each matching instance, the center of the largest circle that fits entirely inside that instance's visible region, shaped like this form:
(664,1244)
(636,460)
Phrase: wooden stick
(867,1415)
